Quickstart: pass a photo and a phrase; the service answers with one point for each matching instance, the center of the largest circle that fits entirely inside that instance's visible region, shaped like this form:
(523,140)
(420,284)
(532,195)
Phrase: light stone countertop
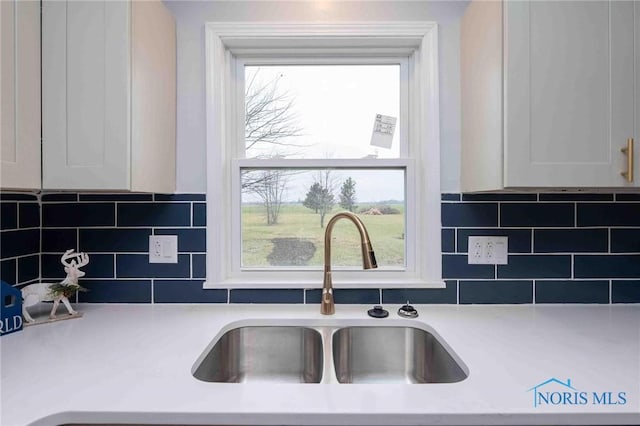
(131,364)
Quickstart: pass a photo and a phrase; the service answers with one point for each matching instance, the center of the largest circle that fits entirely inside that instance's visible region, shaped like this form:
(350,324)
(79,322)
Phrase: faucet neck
(327,305)
(364,236)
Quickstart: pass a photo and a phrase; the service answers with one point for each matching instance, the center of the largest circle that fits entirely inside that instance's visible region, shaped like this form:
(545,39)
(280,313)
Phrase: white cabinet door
(86,94)
(20,94)
(569,92)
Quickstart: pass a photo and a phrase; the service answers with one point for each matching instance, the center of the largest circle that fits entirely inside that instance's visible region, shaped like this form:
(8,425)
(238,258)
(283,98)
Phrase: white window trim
(226,39)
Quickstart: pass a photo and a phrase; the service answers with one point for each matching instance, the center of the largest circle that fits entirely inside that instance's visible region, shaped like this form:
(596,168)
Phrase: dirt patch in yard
(291,252)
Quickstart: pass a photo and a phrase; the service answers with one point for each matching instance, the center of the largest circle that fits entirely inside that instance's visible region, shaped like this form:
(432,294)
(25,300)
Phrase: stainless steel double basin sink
(338,353)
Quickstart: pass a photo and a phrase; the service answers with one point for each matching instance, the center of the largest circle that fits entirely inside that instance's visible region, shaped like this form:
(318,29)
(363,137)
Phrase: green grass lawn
(296,221)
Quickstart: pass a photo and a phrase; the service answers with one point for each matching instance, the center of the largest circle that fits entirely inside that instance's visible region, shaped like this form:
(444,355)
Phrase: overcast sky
(336,106)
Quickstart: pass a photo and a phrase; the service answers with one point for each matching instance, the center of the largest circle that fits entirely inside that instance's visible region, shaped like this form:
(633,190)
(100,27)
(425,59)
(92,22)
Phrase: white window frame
(229,45)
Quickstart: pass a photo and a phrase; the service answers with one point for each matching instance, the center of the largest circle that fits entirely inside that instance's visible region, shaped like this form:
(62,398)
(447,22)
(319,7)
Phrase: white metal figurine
(56,292)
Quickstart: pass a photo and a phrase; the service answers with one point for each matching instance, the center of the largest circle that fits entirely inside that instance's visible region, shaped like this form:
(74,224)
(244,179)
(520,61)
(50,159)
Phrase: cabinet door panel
(8,90)
(86,95)
(20,94)
(569,102)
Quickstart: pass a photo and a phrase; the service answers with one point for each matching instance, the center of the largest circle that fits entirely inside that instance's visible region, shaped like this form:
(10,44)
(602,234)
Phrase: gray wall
(192,15)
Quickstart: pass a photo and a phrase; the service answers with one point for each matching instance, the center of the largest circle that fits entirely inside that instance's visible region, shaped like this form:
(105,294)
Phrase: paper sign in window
(383,129)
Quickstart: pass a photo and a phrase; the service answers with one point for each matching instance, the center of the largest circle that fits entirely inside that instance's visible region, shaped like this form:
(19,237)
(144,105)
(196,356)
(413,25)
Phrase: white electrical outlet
(163,249)
(488,250)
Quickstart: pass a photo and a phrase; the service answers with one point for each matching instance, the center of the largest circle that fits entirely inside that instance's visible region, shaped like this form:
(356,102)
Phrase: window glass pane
(284,212)
(319,111)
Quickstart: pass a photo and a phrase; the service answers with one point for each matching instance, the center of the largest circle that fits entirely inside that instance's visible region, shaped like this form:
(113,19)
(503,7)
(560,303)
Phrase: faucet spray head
(368,256)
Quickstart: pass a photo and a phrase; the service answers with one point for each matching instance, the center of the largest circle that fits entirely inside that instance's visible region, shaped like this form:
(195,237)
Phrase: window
(291,109)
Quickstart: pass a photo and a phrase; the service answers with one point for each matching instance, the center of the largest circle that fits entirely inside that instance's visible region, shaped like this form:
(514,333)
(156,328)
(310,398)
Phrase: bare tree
(271,127)
(271,124)
(270,186)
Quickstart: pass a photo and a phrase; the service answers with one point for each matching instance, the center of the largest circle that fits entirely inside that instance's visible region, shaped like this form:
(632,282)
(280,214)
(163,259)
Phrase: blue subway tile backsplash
(499,197)
(532,215)
(186,291)
(575,196)
(491,292)
(607,266)
(563,248)
(21,242)
(19,238)
(199,214)
(571,240)
(66,215)
(9,271)
(193,240)
(9,215)
(115,291)
(448,240)
(456,266)
(246,295)
(28,268)
(574,291)
(199,265)
(154,214)
(62,197)
(625,291)
(536,266)
(114,240)
(447,295)
(115,197)
(368,296)
(138,266)
(29,214)
(469,214)
(14,196)
(608,214)
(450,197)
(628,197)
(625,240)
(58,240)
(100,266)
(180,197)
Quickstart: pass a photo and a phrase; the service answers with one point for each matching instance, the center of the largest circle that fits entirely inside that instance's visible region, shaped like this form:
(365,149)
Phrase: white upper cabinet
(109,96)
(20,94)
(549,93)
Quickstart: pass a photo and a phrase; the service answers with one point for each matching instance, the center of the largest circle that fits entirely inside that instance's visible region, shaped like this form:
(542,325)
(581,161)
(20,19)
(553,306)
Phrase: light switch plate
(488,250)
(163,249)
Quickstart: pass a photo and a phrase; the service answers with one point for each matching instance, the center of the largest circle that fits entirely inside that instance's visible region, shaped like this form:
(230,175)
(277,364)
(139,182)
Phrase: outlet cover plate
(488,250)
(163,249)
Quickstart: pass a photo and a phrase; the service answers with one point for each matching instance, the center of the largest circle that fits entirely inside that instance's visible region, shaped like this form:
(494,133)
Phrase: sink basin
(331,352)
(264,354)
(392,355)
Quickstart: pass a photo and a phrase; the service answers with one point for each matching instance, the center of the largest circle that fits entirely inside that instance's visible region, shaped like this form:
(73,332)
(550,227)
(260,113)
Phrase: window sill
(307,284)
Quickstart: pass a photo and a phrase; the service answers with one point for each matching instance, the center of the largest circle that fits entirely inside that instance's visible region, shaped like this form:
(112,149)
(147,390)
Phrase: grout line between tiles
(533,298)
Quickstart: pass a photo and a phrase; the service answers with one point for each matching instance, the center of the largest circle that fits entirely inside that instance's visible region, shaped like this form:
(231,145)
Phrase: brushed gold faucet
(327,305)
